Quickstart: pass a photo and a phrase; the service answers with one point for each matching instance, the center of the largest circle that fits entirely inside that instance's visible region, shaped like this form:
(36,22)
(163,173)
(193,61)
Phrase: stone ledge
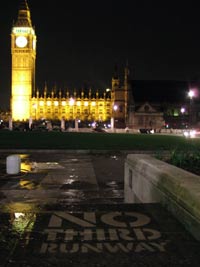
(152,180)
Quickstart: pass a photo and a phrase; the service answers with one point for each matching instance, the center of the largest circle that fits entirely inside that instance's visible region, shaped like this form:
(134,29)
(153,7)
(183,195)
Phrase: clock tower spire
(23,51)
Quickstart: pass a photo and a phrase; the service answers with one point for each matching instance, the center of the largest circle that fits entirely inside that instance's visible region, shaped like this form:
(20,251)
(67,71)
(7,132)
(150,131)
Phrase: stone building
(146,116)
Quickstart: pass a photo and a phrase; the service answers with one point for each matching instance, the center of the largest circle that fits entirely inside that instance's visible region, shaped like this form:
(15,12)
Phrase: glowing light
(192,133)
(18,215)
(85,103)
(56,103)
(23,30)
(189,134)
(63,103)
(182,110)
(93,103)
(34,44)
(23,222)
(191,94)
(25,166)
(48,103)
(115,107)
(20,108)
(108,90)
(71,102)
(78,103)
(41,103)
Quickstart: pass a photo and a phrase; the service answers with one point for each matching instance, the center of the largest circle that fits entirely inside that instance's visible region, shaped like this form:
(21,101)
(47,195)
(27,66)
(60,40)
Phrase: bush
(187,160)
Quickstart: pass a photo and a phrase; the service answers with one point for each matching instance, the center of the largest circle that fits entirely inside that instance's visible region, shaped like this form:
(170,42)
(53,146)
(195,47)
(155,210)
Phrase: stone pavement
(68,210)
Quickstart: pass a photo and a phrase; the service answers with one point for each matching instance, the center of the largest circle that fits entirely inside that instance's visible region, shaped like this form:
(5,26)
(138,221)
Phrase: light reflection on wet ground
(63,178)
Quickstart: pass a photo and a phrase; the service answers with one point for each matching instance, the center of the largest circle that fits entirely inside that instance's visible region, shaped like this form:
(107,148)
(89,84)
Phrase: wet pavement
(68,210)
(59,178)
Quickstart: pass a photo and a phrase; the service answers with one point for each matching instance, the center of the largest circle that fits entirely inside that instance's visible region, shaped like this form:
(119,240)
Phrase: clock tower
(23,51)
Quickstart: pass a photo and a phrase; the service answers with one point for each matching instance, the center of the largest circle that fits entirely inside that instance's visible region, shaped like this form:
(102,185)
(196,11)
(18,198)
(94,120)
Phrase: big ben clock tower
(23,50)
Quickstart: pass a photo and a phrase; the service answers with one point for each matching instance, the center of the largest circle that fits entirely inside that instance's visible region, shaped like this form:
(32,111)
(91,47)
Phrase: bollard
(13,164)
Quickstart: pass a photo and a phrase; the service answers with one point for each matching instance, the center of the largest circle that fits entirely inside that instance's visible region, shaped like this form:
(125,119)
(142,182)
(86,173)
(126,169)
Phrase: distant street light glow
(191,94)
(71,102)
(115,107)
(182,110)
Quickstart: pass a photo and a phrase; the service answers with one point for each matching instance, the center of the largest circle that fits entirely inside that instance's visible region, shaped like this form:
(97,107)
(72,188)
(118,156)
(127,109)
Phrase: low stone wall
(149,180)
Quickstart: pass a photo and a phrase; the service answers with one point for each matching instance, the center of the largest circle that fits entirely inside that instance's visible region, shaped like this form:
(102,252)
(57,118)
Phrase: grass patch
(98,141)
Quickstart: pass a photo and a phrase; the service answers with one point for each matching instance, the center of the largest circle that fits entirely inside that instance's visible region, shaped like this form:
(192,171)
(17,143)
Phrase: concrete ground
(67,209)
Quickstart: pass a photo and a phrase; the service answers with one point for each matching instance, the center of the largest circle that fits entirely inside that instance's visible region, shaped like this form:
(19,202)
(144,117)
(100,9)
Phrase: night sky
(79,42)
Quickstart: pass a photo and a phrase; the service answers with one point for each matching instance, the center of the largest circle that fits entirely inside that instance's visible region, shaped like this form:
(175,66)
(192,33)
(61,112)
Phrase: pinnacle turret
(24,17)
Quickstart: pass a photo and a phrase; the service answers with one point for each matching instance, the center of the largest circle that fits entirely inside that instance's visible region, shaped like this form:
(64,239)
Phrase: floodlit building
(115,104)
(28,102)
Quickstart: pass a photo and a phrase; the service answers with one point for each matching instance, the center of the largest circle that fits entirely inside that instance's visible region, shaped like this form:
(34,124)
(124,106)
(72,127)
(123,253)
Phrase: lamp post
(182,117)
(190,95)
(114,109)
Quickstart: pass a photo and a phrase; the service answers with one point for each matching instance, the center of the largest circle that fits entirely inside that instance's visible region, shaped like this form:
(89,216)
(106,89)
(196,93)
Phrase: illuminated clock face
(21,41)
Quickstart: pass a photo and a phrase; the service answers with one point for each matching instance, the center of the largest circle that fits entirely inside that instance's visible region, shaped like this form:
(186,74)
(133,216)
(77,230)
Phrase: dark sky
(79,42)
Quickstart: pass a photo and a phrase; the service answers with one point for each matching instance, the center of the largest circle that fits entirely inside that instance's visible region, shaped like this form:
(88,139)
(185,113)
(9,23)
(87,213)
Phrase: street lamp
(114,109)
(182,110)
(182,117)
(190,95)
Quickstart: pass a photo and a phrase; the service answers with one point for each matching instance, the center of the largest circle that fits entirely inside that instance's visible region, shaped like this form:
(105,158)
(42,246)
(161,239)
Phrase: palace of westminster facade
(27,102)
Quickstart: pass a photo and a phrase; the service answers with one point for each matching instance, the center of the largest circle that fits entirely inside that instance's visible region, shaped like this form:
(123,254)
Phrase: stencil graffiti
(112,231)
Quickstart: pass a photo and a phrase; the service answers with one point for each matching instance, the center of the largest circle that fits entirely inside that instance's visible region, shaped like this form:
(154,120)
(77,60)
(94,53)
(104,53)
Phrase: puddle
(46,165)
(114,157)
(27,184)
(113,185)
(69,181)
